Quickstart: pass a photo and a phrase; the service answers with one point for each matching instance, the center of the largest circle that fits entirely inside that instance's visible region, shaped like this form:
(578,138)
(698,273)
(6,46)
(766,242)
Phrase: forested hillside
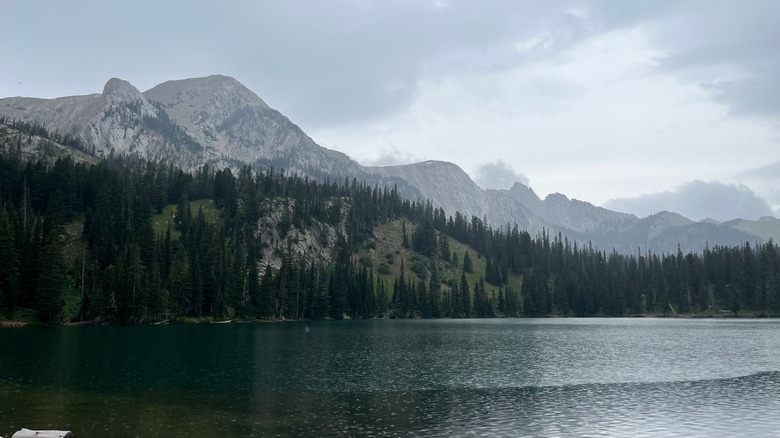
(81,241)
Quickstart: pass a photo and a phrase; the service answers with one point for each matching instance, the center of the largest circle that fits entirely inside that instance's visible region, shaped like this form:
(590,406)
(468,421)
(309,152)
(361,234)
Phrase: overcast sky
(654,101)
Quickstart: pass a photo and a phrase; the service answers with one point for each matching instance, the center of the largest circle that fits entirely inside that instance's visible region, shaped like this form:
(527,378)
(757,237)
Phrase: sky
(639,106)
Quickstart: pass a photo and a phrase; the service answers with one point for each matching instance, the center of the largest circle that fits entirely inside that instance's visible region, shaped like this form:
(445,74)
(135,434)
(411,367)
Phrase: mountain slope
(235,124)
(449,187)
(31,147)
(120,120)
(766,228)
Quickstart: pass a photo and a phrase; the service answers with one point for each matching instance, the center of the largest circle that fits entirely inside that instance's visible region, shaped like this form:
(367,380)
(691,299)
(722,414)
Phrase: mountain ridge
(216,120)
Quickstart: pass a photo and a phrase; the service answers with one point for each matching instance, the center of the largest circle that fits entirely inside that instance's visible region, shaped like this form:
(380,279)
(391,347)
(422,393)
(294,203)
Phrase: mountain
(449,187)
(445,184)
(39,145)
(189,122)
(216,120)
(766,227)
(120,120)
(234,124)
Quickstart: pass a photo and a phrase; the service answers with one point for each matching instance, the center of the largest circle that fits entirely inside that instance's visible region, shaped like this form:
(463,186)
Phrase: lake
(500,377)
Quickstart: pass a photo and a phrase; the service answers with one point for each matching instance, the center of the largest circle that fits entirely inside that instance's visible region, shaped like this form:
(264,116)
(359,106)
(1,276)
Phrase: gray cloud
(698,200)
(729,49)
(370,63)
(330,63)
(769,173)
(320,63)
(498,175)
(766,177)
(392,157)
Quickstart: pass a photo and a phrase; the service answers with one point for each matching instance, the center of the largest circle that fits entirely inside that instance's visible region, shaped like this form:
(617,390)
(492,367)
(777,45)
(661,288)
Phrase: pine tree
(180,280)
(52,279)
(444,247)
(434,288)
(265,297)
(468,267)
(529,303)
(465,295)
(9,267)
(773,295)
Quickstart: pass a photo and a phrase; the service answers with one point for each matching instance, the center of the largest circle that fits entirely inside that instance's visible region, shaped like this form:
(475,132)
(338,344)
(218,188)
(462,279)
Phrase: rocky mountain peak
(556,198)
(442,168)
(444,183)
(525,195)
(120,90)
(215,93)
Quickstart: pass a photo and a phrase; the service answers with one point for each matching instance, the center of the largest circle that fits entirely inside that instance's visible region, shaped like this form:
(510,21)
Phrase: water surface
(510,377)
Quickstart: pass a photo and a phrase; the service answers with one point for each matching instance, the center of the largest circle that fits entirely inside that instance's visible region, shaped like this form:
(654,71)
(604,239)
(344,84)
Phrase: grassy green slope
(161,221)
(385,252)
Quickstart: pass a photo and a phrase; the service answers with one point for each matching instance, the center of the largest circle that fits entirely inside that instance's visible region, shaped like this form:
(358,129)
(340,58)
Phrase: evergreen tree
(465,295)
(52,278)
(468,267)
(434,288)
(265,297)
(9,267)
(444,247)
(180,279)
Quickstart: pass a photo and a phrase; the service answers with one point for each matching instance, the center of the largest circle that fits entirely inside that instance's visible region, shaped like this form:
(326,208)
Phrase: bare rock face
(235,124)
(120,120)
(572,214)
(118,91)
(64,114)
(119,125)
(208,107)
(449,187)
(190,122)
(445,184)
(316,242)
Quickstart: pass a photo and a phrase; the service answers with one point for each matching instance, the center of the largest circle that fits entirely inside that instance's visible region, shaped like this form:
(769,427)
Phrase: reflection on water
(598,377)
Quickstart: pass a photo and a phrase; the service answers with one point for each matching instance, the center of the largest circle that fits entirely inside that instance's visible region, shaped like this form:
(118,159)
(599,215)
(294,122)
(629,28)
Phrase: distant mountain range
(216,120)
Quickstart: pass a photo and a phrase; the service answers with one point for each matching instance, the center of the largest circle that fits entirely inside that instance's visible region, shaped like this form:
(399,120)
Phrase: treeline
(564,278)
(125,272)
(77,242)
(35,129)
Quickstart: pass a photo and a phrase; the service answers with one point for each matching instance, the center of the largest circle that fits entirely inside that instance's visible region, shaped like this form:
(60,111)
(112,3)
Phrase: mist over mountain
(698,200)
(498,175)
(215,120)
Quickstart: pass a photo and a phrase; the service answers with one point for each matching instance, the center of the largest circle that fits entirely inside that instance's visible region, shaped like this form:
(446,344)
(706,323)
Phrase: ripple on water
(726,407)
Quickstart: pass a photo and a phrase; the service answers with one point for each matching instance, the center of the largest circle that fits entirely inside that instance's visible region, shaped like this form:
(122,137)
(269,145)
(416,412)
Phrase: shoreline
(97,322)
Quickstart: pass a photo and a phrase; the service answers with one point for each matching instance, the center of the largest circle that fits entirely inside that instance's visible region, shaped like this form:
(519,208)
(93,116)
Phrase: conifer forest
(80,242)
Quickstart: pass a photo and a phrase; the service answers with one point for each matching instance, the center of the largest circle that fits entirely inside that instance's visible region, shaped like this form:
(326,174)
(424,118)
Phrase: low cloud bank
(498,175)
(698,200)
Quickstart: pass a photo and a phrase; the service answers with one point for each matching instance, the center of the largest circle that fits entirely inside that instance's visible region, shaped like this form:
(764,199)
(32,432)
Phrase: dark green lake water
(509,377)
